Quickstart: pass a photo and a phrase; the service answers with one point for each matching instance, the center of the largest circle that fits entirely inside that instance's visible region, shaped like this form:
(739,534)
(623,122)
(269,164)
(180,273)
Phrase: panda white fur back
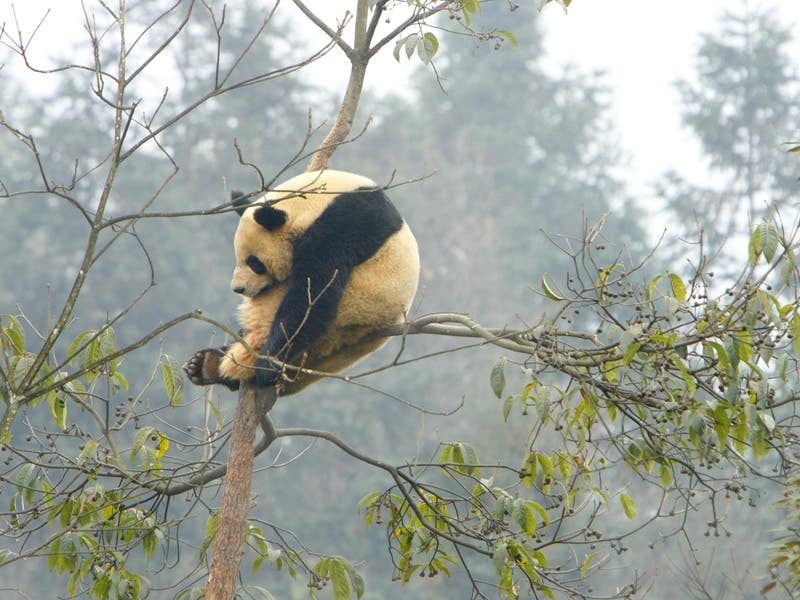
(322,268)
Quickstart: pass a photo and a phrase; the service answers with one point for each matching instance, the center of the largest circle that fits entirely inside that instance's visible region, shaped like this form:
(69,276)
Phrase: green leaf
(341,584)
(781,367)
(369,503)
(121,383)
(459,453)
(722,356)
(524,513)
(463,455)
(767,420)
(507,35)
(759,445)
(529,469)
(754,246)
(541,560)
(564,465)
(722,425)
(358,583)
(88,452)
(740,431)
(150,542)
(211,529)
(75,357)
(336,570)
(14,335)
(678,287)
(172,374)
(745,346)
(539,509)
(497,379)
(447,454)
(58,408)
(499,557)
(629,337)
(216,412)
(732,349)
(770,238)
(546,463)
(794,329)
(523,516)
(427,47)
(507,406)
(628,506)
(630,353)
(764,241)
(470,6)
(65,514)
(586,563)
(410,44)
(665,474)
(771,307)
(651,287)
(23,478)
(140,439)
(688,378)
(107,343)
(20,369)
(549,291)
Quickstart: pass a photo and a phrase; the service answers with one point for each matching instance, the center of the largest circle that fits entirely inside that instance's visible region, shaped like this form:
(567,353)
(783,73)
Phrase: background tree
(641,399)
(741,107)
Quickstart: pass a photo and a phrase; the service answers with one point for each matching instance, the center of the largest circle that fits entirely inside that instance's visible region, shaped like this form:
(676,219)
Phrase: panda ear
(270,218)
(239,202)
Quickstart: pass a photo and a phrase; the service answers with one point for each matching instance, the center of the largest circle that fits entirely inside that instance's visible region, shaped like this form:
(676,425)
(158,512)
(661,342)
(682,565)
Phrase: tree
(742,108)
(662,388)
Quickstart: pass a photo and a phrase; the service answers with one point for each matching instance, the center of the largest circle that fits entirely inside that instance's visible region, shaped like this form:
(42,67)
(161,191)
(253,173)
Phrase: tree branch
(336,36)
(359,59)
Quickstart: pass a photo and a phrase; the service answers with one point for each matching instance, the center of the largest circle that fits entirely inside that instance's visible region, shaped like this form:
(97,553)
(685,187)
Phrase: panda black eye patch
(256,265)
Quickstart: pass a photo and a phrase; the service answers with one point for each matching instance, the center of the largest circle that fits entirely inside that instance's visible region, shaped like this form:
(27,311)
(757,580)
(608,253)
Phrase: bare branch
(335,36)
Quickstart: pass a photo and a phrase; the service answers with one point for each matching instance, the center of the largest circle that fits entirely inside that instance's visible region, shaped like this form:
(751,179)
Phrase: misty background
(497,161)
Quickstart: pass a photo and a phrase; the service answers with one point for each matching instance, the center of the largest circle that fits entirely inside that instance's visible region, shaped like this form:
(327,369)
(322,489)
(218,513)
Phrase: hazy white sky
(642,45)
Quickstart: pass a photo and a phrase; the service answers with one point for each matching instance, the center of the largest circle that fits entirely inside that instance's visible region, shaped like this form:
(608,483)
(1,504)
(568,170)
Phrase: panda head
(263,248)
(263,243)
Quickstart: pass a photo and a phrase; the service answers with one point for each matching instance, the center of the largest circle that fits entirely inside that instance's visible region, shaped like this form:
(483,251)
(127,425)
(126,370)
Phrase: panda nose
(239,289)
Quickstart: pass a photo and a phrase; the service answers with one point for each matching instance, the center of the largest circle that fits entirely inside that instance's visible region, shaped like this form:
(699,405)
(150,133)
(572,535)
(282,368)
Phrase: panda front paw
(202,368)
(194,367)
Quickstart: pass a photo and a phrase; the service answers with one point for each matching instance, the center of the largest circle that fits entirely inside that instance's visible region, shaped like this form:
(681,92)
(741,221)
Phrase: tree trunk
(229,538)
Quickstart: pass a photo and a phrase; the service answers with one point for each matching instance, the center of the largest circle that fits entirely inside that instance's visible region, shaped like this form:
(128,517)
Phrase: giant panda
(323,262)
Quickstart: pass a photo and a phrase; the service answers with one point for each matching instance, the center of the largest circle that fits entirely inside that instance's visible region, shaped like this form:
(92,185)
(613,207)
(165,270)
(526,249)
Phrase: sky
(643,46)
